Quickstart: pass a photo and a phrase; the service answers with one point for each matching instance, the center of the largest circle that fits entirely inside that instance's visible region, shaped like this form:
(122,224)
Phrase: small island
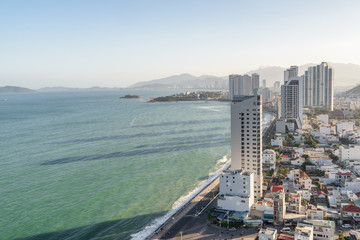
(194,96)
(129,96)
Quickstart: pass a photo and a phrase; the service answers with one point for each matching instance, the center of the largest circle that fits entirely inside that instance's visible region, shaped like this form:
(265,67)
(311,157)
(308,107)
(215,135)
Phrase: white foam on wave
(210,108)
(149,230)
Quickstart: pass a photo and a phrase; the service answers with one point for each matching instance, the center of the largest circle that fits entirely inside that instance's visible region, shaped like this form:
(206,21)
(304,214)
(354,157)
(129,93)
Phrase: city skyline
(116,44)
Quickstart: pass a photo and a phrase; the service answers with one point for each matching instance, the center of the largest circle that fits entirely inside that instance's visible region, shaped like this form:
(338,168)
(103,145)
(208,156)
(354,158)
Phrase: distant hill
(13,89)
(346,75)
(185,81)
(353,92)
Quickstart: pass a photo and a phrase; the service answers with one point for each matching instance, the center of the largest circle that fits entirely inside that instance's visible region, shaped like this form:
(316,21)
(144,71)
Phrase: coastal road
(187,219)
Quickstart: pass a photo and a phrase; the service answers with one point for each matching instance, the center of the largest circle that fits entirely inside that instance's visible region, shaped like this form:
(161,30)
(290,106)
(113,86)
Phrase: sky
(109,43)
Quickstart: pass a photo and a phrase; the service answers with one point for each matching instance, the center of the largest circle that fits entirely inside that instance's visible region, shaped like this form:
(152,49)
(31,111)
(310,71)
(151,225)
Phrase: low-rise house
(294,204)
(314,214)
(268,234)
(263,209)
(342,177)
(322,229)
(351,152)
(277,142)
(305,181)
(269,159)
(304,232)
(306,194)
(353,186)
(350,213)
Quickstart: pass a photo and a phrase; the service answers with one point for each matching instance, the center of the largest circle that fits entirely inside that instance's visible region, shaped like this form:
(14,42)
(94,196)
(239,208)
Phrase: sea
(88,165)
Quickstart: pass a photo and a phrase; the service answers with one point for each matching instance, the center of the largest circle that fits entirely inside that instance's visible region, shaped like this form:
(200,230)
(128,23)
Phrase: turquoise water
(87,165)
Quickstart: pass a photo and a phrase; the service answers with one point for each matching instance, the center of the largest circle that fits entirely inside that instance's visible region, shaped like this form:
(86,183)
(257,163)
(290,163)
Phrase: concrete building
(323,229)
(269,159)
(319,86)
(277,142)
(246,86)
(292,101)
(243,85)
(277,86)
(246,138)
(314,214)
(344,127)
(266,94)
(324,118)
(289,73)
(236,190)
(264,83)
(267,234)
(255,82)
(304,232)
(279,206)
(234,85)
(351,152)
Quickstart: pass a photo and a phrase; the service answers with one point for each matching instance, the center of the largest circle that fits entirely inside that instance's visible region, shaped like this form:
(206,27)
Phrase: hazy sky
(116,43)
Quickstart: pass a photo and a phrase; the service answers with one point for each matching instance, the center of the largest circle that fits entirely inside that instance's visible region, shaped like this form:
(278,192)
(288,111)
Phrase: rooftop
(321,223)
(240,98)
(304,229)
(268,231)
(350,208)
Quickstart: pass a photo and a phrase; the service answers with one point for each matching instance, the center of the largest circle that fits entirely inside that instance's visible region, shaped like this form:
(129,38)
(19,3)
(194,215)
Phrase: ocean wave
(182,202)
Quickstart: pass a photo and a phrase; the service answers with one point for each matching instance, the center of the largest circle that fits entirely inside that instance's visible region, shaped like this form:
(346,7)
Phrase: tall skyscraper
(264,83)
(234,85)
(319,86)
(246,86)
(255,82)
(292,101)
(291,72)
(277,86)
(246,138)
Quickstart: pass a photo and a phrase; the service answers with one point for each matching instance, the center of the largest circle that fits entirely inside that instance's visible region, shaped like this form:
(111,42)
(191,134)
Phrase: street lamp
(227,213)
(220,226)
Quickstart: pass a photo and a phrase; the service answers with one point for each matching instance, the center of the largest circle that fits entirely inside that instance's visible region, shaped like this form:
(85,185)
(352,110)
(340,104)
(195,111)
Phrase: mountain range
(345,77)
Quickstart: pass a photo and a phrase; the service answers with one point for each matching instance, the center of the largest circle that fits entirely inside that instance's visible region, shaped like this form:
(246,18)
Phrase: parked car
(346,226)
(285,230)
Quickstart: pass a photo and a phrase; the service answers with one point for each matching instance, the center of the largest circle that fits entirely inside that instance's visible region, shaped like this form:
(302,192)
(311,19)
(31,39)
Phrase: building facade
(319,86)
(236,190)
(292,101)
(304,232)
(269,159)
(246,138)
(243,85)
(289,73)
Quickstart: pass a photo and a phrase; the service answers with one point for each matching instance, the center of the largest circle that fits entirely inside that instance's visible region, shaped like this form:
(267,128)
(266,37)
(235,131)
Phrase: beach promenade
(187,216)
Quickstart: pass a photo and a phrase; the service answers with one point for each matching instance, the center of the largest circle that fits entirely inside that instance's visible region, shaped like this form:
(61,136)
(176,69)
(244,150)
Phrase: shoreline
(160,225)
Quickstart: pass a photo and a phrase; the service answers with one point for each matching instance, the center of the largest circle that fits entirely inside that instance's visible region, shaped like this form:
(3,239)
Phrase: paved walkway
(197,203)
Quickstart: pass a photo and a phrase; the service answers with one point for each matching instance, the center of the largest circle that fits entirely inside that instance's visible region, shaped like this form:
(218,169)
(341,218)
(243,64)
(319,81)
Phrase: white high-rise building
(289,73)
(246,86)
(236,190)
(243,85)
(246,138)
(234,85)
(264,83)
(319,86)
(292,101)
(277,86)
